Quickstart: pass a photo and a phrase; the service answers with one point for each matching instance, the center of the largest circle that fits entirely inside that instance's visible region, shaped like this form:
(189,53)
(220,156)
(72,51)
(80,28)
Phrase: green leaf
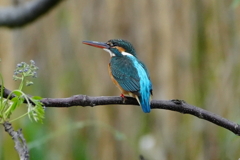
(17,93)
(36,98)
(11,108)
(17,101)
(36,112)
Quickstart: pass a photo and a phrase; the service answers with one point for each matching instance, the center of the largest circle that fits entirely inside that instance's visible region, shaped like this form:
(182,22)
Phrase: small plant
(7,106)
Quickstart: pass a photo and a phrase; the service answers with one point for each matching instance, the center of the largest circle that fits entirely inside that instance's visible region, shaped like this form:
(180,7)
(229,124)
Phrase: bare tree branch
(21,15)
(173,105)
(20,142)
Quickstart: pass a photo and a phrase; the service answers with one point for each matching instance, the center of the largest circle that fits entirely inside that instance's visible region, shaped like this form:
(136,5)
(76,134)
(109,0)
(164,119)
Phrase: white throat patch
(111,54)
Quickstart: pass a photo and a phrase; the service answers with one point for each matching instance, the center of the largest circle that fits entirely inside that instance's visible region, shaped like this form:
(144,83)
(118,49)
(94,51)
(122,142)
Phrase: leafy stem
(21,83)
(8,105)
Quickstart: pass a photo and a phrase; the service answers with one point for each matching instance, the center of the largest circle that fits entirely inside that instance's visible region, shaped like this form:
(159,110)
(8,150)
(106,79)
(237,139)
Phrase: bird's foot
(123,97)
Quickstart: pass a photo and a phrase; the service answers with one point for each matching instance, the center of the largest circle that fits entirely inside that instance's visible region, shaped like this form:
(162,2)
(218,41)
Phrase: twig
(20,143)
(21,15)
(173,105)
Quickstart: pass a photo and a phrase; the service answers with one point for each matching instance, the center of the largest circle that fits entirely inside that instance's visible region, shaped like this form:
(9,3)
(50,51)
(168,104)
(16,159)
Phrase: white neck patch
(126,54)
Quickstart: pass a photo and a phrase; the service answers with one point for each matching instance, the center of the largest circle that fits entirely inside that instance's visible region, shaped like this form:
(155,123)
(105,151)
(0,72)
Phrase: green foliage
(7,106)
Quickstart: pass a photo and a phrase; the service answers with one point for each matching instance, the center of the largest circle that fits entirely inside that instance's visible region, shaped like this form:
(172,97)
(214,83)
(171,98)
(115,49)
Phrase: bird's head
(116,47)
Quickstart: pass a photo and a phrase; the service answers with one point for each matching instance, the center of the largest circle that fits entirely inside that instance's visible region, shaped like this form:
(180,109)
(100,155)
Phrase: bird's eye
(110,44)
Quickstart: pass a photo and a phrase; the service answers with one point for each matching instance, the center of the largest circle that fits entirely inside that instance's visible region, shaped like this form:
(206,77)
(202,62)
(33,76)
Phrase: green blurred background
(191,48)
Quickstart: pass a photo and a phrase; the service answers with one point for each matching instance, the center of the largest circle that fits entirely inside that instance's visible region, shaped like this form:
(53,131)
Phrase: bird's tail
(144,102)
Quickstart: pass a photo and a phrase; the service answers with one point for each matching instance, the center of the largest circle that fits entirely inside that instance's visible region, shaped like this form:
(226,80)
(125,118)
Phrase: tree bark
(23,14)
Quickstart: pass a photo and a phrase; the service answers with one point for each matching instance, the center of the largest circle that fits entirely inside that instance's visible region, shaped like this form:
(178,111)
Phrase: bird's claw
(123,97)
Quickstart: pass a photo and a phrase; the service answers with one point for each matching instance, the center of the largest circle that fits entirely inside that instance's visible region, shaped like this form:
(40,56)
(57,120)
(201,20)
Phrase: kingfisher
(127,72)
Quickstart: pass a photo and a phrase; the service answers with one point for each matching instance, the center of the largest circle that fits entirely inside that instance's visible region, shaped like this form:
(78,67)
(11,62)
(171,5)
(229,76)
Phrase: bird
(127,72)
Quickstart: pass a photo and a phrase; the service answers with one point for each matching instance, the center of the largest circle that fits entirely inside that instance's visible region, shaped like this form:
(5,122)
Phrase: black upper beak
(96,44)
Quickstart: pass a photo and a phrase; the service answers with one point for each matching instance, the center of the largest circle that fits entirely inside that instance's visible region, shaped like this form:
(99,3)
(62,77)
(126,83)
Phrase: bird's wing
(125,73)
(145,68)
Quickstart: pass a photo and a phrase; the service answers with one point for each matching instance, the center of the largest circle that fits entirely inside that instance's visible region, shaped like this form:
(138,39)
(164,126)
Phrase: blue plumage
(127,71)
(132,76)
(124,72)
(145,86)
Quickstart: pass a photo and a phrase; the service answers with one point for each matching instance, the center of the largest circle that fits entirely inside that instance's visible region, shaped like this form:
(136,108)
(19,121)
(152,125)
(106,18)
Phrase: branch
(173,105)
(21,15)
(20,142)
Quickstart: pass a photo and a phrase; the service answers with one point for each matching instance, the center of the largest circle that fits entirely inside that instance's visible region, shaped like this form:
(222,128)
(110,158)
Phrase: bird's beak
(96,44)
